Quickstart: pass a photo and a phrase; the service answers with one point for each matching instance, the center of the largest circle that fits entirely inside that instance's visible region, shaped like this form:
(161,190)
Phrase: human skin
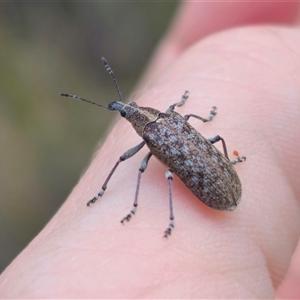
(252,75)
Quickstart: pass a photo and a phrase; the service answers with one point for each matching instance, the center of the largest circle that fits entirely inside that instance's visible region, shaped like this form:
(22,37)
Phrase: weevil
(205,171)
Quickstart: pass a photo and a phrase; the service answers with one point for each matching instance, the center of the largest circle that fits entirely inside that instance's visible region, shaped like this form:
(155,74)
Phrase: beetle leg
(183,99)
(129,153)
(210,117)
(168,231)
(217,138)
(142,168)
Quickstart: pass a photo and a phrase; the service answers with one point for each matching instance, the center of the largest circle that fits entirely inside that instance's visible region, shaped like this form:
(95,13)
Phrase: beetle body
(194,159)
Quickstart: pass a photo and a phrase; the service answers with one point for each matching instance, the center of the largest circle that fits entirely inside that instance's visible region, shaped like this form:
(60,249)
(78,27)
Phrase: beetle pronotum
(171,139)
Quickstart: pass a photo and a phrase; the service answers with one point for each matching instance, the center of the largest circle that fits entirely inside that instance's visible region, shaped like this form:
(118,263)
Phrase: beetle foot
(239,158)
(168,231)
(129,216)
(92,201)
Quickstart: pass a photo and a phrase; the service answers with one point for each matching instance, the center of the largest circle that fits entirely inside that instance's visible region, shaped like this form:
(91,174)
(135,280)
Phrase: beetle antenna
(111,73)
(82,99)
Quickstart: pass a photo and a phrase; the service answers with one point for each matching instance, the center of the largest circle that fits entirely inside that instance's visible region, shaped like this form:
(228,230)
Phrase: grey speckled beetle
(171,139)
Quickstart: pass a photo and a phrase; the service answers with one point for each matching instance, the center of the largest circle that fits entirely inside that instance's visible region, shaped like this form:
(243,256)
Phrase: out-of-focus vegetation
(46,141)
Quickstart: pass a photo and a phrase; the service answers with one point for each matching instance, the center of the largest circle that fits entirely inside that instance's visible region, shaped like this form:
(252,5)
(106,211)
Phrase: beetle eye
(123,113)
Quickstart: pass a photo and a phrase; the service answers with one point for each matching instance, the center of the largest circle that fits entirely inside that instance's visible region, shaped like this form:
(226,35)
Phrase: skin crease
(252,75)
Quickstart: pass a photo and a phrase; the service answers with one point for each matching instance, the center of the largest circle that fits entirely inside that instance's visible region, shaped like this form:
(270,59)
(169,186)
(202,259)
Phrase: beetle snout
(116,105)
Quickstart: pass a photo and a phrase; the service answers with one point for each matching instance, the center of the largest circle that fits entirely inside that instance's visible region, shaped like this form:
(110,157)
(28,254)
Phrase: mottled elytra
(184,151)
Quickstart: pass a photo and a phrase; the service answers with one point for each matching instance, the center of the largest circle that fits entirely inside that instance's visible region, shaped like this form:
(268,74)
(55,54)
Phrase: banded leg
(210,117)
(142,169)
(129,153)
(217,138)
(168,231)
(183,99)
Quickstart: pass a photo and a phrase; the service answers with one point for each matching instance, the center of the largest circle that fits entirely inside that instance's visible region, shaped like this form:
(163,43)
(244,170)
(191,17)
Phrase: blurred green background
(46,141)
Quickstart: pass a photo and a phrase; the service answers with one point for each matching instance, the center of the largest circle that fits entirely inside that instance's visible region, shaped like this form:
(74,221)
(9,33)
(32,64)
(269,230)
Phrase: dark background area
(47,141)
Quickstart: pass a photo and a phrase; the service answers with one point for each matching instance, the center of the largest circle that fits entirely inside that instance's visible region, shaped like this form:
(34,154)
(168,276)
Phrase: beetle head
(136,115)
